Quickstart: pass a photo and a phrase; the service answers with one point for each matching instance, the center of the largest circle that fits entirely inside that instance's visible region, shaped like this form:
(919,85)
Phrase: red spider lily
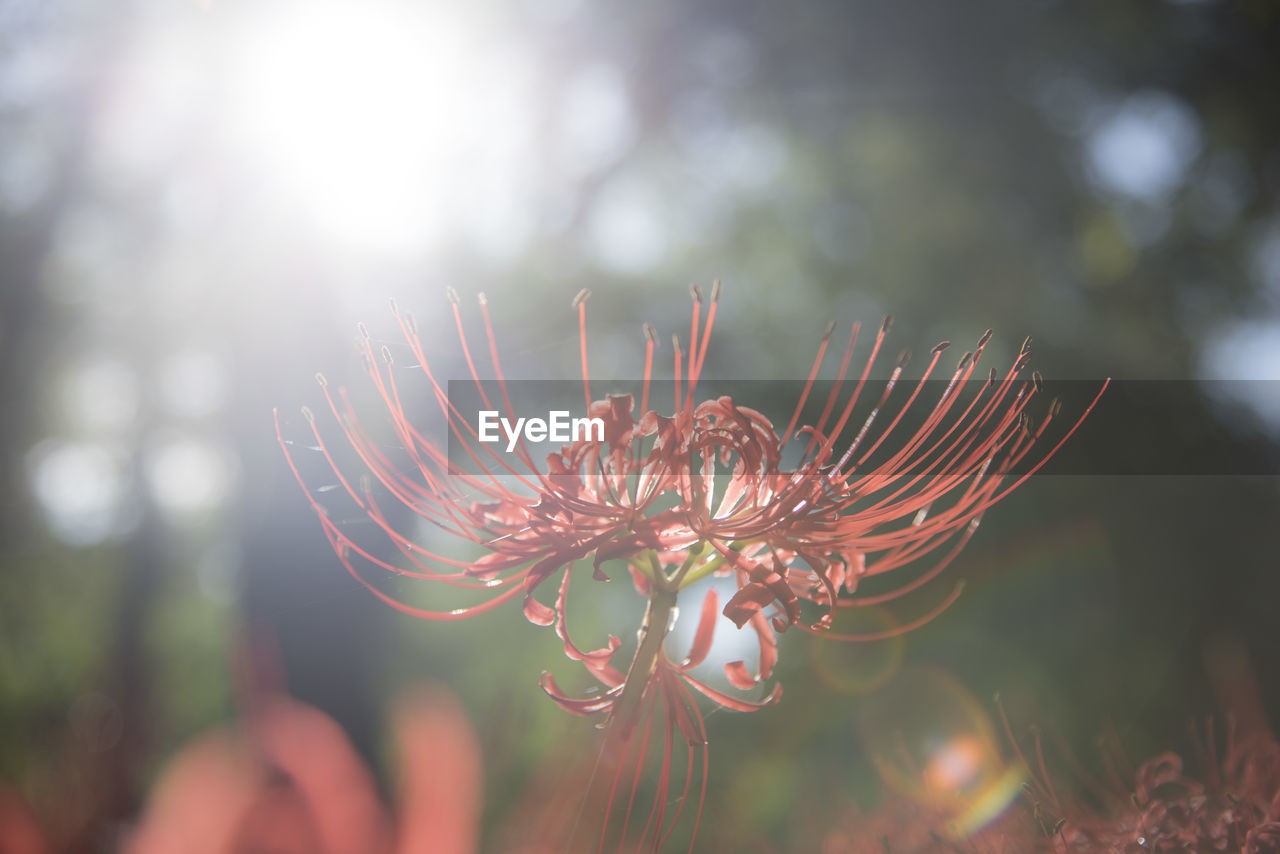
(288,780)
(1233,805)
(1159,806)
(809,535)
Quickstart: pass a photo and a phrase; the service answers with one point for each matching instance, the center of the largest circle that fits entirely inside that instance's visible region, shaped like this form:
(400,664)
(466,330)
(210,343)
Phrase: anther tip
(322,379)
(395,306)
(885,326)
(650,332)
(826,333)
(715,290)
(581,297)
(696,293)
(482,298)
(363,330)
(308,414)
(1026,345)
(940,347)
(986,336)
(452,296)
(1037,380)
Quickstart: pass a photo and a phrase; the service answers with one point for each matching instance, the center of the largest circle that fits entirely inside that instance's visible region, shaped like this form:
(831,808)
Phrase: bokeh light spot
(1143,147)
(627,231)
(596,122)
(188,475)
(1240,366)
(100,394)
(193,383)
(81,487)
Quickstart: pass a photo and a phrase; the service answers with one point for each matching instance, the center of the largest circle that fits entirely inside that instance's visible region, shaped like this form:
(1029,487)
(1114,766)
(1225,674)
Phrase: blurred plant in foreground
(1222,801)
(1231,804)
(287,780)
(1225,800)
(676,498)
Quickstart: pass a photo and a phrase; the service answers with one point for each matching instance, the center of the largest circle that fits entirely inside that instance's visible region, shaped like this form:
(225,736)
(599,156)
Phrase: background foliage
(1102,176)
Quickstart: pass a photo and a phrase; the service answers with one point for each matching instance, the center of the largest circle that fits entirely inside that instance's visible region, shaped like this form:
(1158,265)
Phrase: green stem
(710,566)
(653,631)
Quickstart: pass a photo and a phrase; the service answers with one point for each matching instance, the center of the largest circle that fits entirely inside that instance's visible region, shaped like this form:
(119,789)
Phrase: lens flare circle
(931,741)
(865,667)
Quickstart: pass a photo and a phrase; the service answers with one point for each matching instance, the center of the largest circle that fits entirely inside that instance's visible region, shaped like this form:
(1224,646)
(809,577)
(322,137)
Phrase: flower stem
(653,631)
(709,567)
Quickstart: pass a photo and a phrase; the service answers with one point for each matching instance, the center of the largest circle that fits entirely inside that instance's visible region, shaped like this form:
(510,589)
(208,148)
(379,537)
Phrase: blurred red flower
(288,780)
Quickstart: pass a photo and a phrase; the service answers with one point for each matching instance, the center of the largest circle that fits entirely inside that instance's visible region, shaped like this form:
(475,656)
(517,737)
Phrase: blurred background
(199,201)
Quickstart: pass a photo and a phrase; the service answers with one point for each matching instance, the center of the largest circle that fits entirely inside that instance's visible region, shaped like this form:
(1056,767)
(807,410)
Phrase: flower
(20,832)
(1156,807)
(1231,802)
(1234,805)
(289,780)
(698,491)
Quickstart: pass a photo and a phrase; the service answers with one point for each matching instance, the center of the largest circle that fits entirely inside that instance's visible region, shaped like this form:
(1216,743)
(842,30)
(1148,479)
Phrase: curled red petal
(739,676)
(538,613)
(579,706)
(706,631)
(738,673)
(768,646)
(734,703)
(747,602)
(597,661)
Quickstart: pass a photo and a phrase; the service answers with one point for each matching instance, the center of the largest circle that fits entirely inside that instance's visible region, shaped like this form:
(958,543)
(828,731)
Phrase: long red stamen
(466,350)
(650,342)
(897,631)
(706,332)
(835,389)
(693,346)
(679,400)
(808,386)
(580,303)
